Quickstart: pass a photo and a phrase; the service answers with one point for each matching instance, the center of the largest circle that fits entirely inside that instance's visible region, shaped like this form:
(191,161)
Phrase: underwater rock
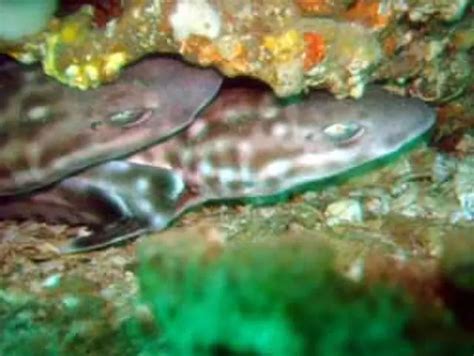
(422,47)
(343,212)
(464,185)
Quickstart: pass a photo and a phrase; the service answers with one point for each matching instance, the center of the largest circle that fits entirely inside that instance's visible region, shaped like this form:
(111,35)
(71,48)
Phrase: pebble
(343,212)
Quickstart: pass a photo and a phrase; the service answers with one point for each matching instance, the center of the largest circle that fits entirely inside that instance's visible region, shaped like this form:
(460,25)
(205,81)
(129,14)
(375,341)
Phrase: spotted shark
(49,131)
(245,144)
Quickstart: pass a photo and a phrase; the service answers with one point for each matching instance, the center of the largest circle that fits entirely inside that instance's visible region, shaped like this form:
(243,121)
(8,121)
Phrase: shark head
(49,131)
(251,144)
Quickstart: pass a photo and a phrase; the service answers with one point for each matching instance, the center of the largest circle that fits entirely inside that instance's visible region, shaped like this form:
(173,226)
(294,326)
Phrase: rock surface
(421,47)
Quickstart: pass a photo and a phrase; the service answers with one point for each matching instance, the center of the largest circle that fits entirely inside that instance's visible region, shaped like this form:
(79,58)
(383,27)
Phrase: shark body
(245,144)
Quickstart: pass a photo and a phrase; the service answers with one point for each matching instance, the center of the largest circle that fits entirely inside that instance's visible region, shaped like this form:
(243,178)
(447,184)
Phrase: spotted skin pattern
(245,144)
(49,131)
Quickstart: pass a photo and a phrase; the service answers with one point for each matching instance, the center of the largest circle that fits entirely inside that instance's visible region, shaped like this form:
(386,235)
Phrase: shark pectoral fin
(140,198)
(110,234)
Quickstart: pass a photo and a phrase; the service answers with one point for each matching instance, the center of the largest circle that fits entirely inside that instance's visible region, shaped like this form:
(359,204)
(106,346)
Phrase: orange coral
(369,13)
(315,49)
(202,48)
(207,53)
(238,63)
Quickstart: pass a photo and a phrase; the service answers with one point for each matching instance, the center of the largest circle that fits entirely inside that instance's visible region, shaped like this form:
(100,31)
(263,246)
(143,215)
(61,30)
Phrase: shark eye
(128,118)
(344,132)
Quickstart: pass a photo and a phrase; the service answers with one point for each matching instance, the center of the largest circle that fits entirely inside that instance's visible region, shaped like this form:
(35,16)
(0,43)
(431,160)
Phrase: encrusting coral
(422,46)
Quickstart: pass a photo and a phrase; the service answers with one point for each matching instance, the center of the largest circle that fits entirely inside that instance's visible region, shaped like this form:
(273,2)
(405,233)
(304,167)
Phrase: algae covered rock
(270,298)
(292,45)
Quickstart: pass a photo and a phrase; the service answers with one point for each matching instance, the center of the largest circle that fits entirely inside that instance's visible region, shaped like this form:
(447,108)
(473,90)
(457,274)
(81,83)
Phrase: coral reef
(421,46)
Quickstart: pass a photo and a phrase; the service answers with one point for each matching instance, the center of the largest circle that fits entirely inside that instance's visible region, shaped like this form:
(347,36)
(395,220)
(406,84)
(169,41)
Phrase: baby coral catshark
(245,144)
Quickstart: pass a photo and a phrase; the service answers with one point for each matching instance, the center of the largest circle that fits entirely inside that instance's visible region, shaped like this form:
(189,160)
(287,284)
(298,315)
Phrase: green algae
(71,322)
(280,298)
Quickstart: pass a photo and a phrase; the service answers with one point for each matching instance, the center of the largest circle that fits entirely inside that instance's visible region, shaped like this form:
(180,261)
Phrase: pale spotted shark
(245,144)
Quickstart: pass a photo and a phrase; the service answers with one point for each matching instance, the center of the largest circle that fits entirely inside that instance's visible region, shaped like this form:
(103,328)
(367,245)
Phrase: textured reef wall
(420,47)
